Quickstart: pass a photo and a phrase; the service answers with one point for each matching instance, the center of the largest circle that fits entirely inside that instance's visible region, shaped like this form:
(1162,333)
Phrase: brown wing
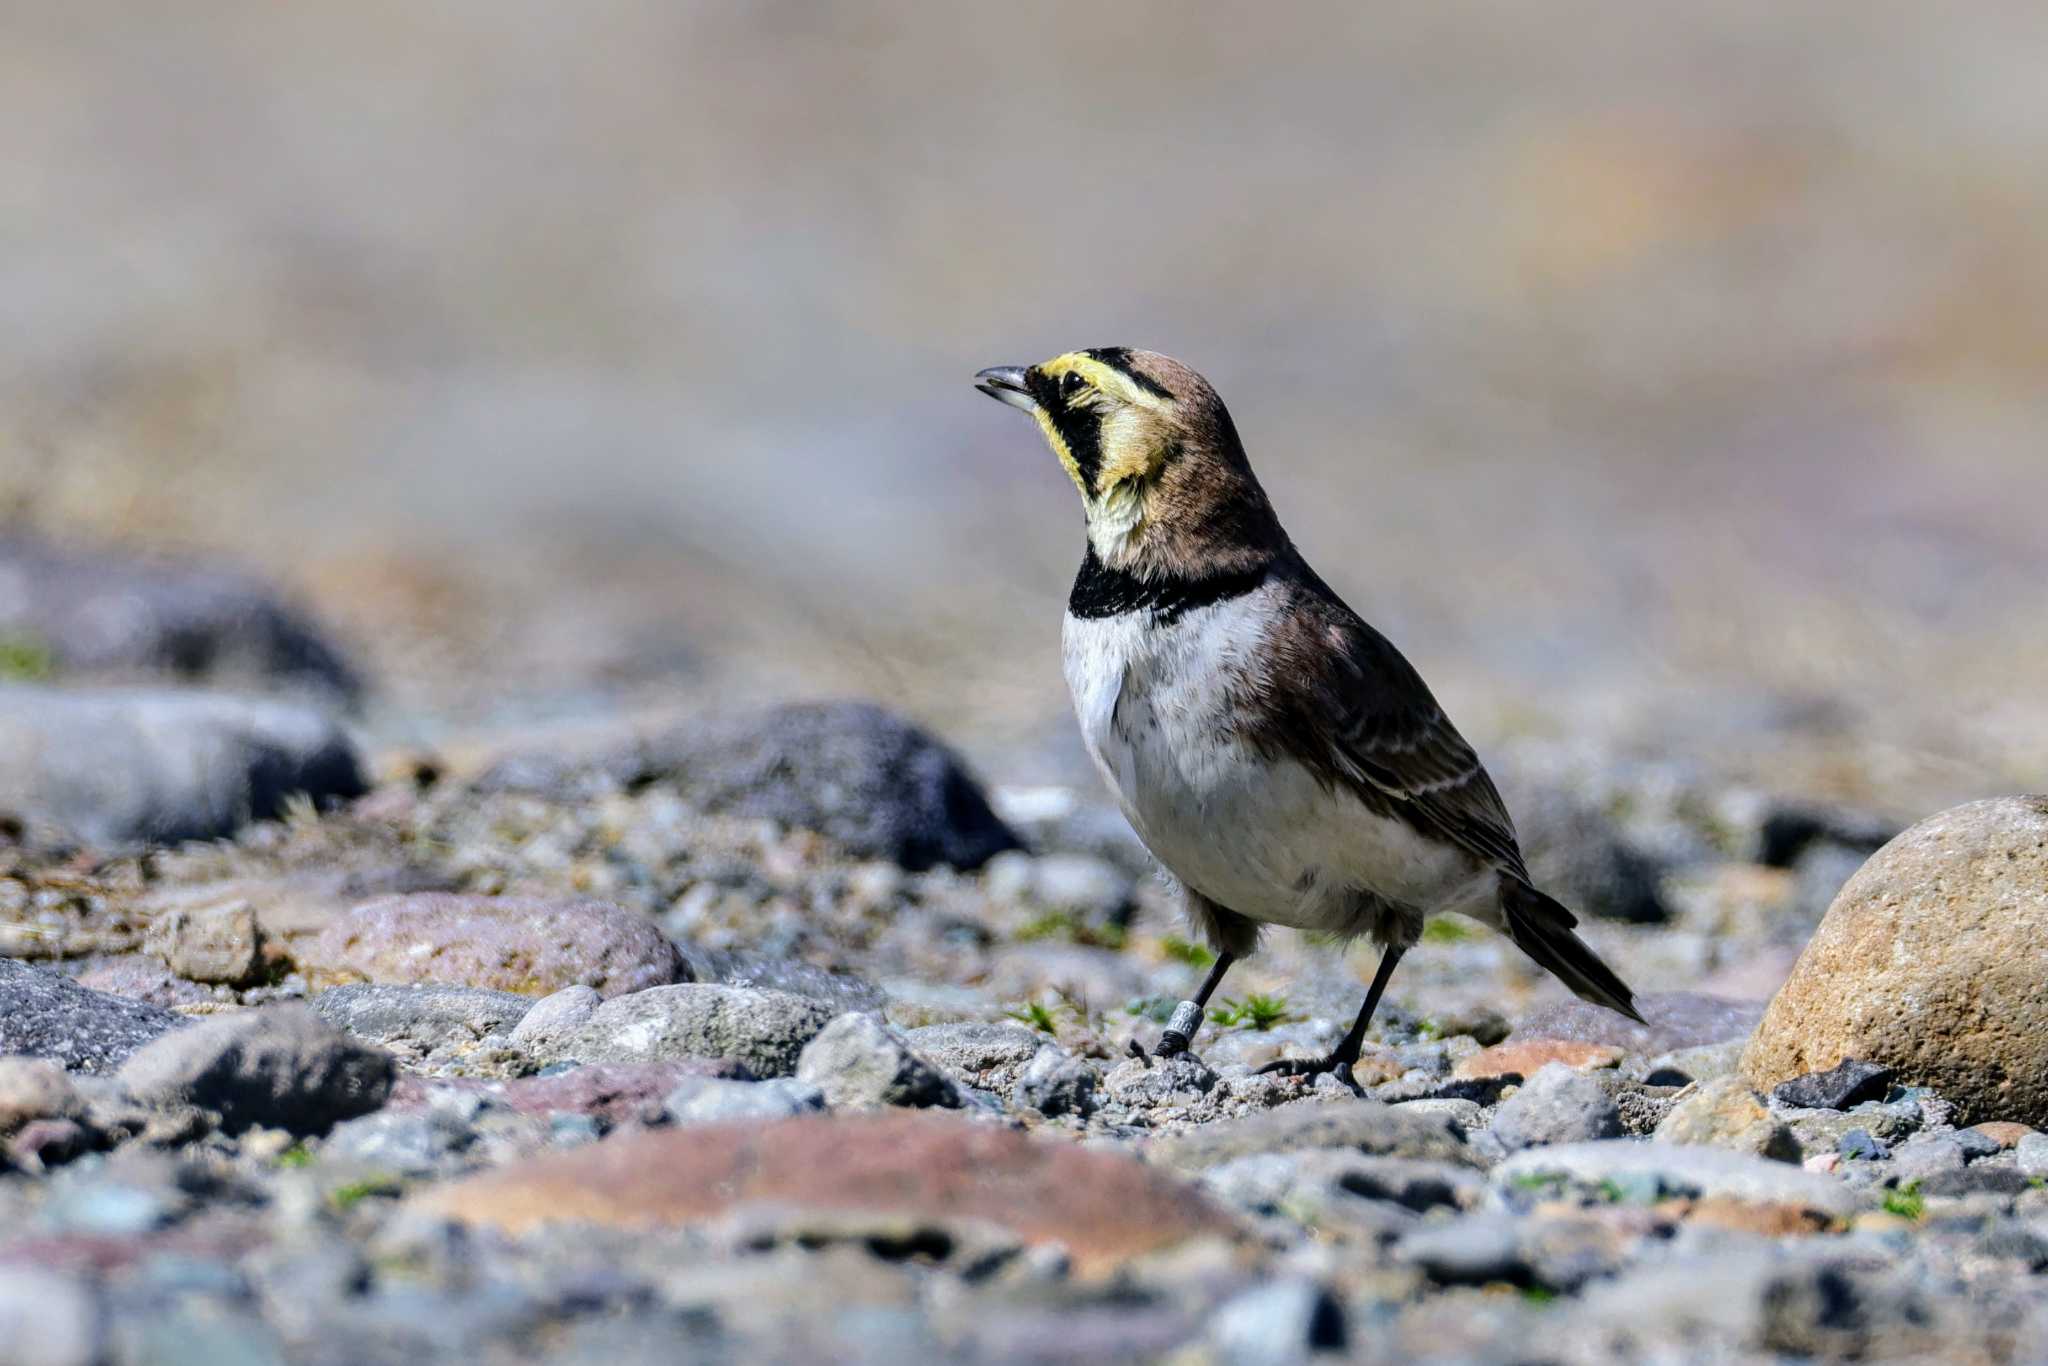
(1368,722)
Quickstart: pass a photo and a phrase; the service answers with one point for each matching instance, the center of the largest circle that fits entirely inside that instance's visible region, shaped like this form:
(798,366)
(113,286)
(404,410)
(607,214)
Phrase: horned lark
(1278,755)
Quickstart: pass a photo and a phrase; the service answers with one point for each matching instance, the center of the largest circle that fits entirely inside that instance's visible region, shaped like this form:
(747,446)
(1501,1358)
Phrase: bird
(1279,757)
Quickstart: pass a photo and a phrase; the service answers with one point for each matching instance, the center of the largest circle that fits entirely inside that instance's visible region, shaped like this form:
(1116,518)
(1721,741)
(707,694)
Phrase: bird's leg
(1347,1050)
(1187,1016)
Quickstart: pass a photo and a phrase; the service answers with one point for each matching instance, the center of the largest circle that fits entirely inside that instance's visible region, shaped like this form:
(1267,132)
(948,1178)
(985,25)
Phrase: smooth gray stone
(120,767)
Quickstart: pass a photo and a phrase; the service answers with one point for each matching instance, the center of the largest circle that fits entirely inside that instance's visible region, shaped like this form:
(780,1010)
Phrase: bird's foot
(1177,1037)
(1340,1068)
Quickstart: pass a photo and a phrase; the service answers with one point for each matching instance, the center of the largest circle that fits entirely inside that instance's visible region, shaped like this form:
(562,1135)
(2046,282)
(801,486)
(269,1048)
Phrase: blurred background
(1663,379)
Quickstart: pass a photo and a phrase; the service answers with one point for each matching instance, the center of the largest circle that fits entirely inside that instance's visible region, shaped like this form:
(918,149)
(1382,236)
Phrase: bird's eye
(1071,384)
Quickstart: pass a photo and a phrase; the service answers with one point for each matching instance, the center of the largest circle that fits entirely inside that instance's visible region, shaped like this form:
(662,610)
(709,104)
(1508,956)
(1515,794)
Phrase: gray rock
(1838,1088)
(1727,1114)
(840,990)
(1362,1126)
(1092,889)
(421,1019)
(861,1063)
(1476,1250)
(1819,876)
(1925,1155)
(1984,1179)
(1677,1019)
(1858,1145)
(1057,1083)
(1675,1170)
(282,1067)
(873,782)
(988,1057)
(1976,1144)
(1464,1115)
(110,611)
(2032,1152)
(48,1016)
(1746,1303)
(554,1019)
(127,1204)
(411,1144)
(2012,1240)
(221,944)
(1181,1080)
(1280,1323)
(1584,859)
(1557,1105)
(706,1100)
(48,1320)
(119,767)
(1706,1062)
(33,1089)
(766,1030)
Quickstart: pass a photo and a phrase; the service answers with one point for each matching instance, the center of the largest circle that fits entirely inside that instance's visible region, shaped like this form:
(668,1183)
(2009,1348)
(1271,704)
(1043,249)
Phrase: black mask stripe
(1118,358)
(1079,428)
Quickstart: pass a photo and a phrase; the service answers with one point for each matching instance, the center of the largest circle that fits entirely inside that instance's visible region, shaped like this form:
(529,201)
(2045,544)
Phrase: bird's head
(1152,449)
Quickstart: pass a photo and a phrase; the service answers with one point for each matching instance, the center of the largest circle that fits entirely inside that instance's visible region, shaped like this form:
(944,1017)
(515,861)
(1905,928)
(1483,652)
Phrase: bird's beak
(1005,384)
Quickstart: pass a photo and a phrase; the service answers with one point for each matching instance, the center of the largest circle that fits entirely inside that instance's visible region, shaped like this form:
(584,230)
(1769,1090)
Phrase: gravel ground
(592,1072)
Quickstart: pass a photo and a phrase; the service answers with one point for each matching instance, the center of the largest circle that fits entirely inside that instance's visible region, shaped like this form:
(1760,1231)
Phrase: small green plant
(1906,1201)
(1184,951)
(1426,1030)
(25,658)
(1538,1183)
(1257,1012)
(1446,931)
(1037,1015)
(1537,1294)
(1157,1009)
(1070,927)
(346,1198)
(295,1156)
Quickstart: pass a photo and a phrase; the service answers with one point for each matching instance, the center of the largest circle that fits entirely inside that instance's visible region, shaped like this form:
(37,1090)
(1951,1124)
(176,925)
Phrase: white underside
(1259,837)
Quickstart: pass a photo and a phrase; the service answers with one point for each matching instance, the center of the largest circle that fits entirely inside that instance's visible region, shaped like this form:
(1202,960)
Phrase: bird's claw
(1340,1068)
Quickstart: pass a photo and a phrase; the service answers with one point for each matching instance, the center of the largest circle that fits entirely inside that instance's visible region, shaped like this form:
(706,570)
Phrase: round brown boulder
(1931,962)
(530,945)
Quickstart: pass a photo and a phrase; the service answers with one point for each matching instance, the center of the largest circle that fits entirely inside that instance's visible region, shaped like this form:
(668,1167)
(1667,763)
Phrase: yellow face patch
(1108,430)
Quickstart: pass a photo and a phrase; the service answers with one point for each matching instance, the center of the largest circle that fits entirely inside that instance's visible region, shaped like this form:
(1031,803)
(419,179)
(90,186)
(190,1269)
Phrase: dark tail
(1542,929)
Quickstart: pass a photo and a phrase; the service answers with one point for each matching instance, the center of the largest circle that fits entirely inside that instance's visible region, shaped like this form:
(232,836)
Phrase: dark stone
(1791,828)
(120,767)
(1677,1019)
(1579,855)
(1977,1180)
(1859,1146)
(1976,1144)
(48,1016)
(2010,1240)
(106,611)
(1838,1088)
(282,1067)
(854,771)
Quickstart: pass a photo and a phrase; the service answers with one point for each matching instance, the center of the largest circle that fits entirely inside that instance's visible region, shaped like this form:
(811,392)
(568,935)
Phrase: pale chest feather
(1258,834)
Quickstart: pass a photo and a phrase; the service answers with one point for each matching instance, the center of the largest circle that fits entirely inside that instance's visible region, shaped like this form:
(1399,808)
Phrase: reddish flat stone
(1104,1208)
(614,1092)
(2005,1133)
(1522,1058)
(529,945)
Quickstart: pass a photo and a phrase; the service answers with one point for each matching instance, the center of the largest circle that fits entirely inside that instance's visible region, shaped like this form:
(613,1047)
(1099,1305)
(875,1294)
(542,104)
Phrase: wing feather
(1366,719)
